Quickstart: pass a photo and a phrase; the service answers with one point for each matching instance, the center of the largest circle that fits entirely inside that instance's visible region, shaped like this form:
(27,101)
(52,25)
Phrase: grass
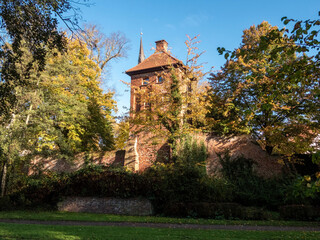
(25,231)
(55,215)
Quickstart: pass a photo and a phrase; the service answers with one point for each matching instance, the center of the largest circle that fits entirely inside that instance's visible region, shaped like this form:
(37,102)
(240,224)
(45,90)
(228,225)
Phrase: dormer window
(160,79)
(145,81)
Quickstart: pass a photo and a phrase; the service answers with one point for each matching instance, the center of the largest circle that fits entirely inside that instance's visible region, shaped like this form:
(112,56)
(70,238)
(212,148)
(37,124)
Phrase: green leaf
(316,157)
(297,25)
(221,50)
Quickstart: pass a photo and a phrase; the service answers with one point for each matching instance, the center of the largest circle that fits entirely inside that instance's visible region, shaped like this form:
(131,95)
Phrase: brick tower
(147,74)
(148,71)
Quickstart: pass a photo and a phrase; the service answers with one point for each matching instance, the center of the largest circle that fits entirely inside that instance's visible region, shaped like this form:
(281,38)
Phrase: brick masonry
(142,152)
(266,165)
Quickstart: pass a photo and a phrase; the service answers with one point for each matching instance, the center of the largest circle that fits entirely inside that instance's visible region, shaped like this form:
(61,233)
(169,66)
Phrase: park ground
(62,225)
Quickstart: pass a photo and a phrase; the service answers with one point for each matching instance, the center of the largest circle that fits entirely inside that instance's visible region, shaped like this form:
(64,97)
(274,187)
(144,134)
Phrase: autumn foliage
(267,90)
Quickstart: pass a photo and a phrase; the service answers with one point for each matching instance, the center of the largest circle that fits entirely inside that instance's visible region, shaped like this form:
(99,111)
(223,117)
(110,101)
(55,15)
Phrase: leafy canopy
(263,89)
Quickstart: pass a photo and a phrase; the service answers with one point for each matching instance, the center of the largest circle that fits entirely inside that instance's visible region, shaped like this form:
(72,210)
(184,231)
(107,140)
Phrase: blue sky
(218,22)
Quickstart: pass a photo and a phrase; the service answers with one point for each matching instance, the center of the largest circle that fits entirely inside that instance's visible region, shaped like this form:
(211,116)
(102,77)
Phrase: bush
(183,183)
(254,213)
(248,188)
(300,212)
(203,210)
(191,153)
(110,182)
(215,211)
(303,190)
(5,203)
(41,191)
(93,181)
(161,184)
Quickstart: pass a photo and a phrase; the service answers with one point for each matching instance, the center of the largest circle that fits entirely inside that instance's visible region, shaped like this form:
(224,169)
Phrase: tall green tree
(14,130)
(263,91)
(34,24)
(73,98)
(62,109)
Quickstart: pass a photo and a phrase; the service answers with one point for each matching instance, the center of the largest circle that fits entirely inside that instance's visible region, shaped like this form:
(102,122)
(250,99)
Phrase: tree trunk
(5,165)
(28,116)
(3,179)
(30,108)
(269,149)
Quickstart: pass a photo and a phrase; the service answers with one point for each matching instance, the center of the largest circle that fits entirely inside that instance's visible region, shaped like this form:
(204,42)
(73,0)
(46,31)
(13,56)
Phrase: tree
(305,34)
(61,110)
(74,99)
(263,93)
(121,132)
(104,49)
(31,25)
(34,22)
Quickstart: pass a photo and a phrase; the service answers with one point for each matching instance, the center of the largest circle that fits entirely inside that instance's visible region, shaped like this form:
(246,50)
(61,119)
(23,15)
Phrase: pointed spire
(141,53)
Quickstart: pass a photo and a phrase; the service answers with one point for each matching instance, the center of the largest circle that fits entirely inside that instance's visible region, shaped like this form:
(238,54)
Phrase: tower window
(160,79)
(145,81)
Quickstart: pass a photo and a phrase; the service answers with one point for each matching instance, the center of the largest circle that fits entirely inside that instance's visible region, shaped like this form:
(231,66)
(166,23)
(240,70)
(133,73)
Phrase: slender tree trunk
(30,108)
(28,116)
(3,179)
(5,165)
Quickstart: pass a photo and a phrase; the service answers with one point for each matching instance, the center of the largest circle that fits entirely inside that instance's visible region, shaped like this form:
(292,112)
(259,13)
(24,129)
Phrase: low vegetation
(93,217)
(23,231)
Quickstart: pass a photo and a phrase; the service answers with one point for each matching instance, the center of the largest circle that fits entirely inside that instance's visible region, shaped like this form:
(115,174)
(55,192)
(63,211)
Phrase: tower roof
(159,59)
(141,52)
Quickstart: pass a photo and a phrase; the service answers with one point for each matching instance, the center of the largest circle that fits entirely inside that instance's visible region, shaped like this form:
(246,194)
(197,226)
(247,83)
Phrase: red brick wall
(137,83)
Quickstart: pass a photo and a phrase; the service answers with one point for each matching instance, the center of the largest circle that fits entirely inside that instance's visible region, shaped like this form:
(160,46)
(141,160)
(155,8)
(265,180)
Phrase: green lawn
(25,231)
(54,215)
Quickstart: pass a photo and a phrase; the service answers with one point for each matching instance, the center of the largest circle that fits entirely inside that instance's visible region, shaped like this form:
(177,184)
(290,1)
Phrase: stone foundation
(132,206)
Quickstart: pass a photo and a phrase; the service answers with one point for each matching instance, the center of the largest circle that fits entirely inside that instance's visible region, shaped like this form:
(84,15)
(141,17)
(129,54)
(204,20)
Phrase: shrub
(254,213)
(93,181)
(300,212)
(203,210)
(5,203)
(191,152)
(303,190)
(248,188)
(215,211)
(183,183)
(109,182)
